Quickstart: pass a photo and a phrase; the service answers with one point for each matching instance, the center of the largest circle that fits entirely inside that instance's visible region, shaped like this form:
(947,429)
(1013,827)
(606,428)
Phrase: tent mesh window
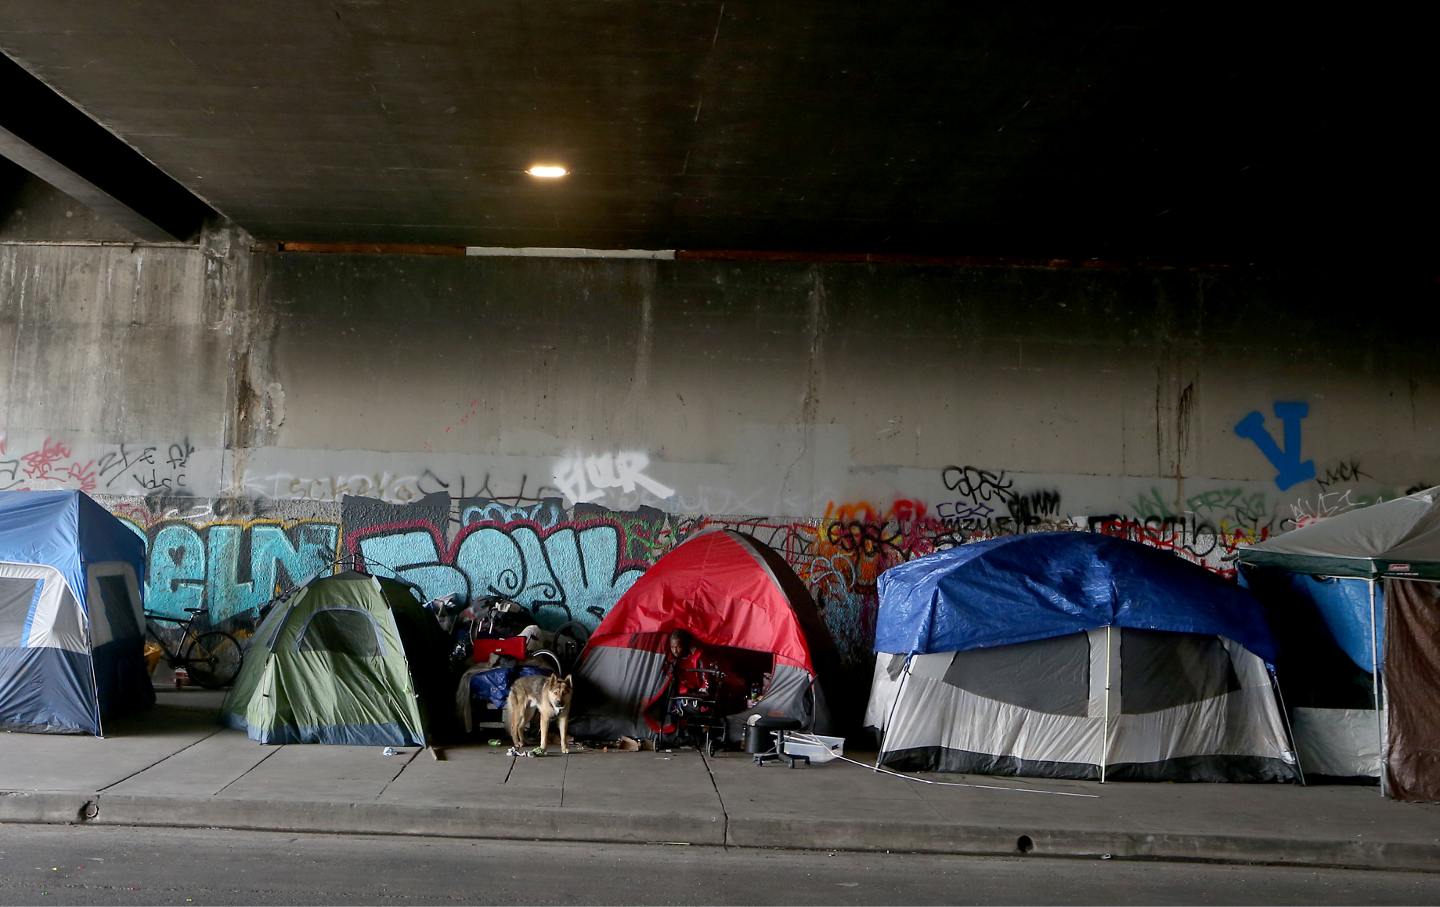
(1047,675)
(119,611)
(16,596)
(1163,670)
(343,631)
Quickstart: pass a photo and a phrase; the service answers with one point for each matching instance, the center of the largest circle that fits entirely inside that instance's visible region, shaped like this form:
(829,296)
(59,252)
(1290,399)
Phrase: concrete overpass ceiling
(926,128)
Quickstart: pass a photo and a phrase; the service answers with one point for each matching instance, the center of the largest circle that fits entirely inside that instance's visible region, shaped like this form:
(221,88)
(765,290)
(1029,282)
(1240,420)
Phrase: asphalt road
(95,865)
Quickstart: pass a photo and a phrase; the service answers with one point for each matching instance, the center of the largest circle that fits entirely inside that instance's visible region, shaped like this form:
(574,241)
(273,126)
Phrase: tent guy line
(811,738)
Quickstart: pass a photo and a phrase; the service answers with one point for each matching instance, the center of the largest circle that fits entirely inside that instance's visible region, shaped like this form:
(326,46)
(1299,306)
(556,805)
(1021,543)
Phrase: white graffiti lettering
(584,480)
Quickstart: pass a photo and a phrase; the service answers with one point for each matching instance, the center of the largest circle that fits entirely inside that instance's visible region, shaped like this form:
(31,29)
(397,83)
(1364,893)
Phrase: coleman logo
(1399,568)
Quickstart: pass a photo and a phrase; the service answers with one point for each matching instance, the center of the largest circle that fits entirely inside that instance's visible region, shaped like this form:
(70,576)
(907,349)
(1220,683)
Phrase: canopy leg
(1375,679)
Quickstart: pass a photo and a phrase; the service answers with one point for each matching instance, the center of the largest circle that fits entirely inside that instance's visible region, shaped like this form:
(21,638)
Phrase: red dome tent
(745,607)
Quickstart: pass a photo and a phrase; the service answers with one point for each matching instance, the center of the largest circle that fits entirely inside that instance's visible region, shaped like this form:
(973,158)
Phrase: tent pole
(1289,731)
(889,719)
(1375,679)
(1105,727)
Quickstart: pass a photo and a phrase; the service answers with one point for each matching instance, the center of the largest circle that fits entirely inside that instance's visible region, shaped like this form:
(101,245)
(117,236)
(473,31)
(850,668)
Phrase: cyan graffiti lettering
(415,556)
(231,568)
(570,572)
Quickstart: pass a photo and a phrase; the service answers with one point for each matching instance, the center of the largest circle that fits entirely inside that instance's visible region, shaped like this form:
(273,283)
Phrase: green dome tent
(346,659)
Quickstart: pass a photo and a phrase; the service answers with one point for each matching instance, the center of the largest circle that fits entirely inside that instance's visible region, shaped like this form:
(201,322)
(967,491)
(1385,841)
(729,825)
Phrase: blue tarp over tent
(1027,587)
(1344,606)
(71,619)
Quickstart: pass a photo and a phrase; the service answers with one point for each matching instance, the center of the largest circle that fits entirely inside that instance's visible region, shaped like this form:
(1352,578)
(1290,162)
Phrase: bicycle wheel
(213,659)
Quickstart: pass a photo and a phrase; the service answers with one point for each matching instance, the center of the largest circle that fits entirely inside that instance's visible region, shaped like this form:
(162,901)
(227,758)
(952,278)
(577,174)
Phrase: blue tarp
(1027,587)
(492,687)
(1344,605)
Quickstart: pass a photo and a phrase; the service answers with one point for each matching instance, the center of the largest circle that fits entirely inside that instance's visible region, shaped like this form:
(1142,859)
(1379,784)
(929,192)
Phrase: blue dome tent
(72,621)
(1074,655)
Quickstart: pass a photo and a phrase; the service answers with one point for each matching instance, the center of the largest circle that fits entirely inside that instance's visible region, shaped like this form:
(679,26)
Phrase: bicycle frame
(187,634)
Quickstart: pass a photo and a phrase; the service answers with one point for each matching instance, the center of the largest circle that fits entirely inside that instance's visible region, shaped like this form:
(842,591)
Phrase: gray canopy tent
(1395,543)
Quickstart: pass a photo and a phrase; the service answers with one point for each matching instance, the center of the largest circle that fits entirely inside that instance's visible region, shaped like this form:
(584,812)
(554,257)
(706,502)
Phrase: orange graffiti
(873,539)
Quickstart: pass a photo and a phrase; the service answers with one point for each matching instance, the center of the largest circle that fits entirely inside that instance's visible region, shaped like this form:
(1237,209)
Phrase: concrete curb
(702,828)
(338,817)
(47,807)
(942,838)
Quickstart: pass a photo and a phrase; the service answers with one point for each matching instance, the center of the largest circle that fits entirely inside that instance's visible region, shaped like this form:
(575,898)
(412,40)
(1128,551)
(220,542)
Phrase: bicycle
(211,658)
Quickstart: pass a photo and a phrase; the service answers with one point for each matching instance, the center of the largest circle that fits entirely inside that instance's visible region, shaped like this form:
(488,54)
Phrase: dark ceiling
(923,127)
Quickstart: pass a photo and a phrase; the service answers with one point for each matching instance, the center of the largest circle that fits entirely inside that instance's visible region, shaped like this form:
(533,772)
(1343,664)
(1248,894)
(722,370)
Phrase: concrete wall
(547,428)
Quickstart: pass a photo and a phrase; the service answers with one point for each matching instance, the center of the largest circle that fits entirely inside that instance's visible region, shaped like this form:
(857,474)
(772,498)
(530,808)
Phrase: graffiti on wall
(562,567)
(51,465)
(1197,540)
(113,469)
(986,503)
(384,485)
(1290,470)
(569,549)
(584,480)
(841,555)
(230,567)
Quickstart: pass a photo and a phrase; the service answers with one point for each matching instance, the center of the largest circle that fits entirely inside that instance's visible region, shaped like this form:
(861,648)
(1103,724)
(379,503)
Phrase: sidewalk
(176,767)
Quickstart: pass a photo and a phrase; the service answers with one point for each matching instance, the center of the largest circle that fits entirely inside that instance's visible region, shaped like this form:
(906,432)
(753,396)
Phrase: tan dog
(546,694)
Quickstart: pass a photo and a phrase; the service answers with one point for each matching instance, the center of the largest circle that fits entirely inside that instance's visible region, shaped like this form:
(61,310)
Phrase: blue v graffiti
(1286,460)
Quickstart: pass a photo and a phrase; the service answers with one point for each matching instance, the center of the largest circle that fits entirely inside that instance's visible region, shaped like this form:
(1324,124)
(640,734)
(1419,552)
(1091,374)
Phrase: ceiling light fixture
(547,171)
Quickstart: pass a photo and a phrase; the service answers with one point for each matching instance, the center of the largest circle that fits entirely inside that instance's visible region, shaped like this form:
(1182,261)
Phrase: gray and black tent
(1382,563)
(1074,655)
(742,603)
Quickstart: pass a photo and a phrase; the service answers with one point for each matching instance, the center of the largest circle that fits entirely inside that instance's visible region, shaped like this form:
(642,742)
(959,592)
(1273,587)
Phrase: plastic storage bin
(817,746)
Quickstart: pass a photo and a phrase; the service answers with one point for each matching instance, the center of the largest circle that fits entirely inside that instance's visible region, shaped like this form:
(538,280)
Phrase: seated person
(688,684)
(685,667)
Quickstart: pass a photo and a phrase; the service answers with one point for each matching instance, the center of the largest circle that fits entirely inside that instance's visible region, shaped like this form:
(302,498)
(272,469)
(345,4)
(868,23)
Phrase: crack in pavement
(724,813)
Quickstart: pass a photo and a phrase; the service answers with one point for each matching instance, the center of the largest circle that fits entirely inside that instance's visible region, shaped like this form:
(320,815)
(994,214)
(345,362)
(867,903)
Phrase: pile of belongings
(485,680)
(489,685)
(491,617)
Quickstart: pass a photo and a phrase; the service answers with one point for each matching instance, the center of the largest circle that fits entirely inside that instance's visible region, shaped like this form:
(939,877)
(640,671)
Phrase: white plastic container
(817,746)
